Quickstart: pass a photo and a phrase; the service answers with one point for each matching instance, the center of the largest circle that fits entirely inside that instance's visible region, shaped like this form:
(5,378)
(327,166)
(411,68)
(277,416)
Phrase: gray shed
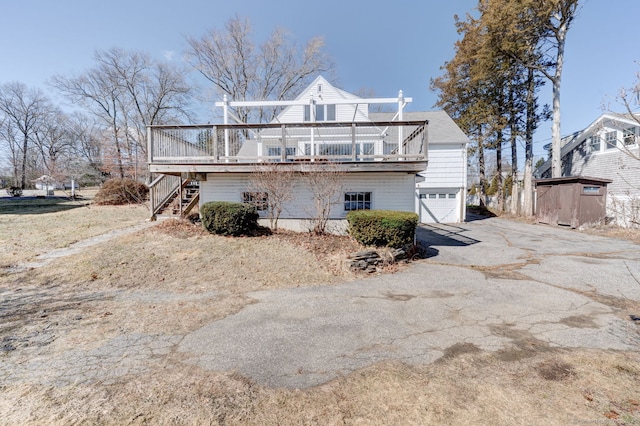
(571,201)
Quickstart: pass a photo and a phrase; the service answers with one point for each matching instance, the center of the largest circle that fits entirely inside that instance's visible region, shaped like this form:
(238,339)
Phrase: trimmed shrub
(121,191)
(226,218)
(382,227)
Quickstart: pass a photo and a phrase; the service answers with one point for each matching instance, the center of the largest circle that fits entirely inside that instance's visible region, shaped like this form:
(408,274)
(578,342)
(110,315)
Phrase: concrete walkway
(492,285)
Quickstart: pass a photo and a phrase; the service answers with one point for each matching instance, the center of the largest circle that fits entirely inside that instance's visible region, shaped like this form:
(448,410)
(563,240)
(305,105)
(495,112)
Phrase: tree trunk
(528,150)
(481,171)
(25,147)
(500,192)
(556,147)
(513,128)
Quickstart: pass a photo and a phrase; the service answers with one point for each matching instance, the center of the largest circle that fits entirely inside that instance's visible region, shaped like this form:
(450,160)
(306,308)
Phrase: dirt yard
(172,278)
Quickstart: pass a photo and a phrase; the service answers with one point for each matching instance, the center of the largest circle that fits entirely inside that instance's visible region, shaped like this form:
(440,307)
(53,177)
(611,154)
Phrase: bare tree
(276,70)
(55,144)
(127,91)
(24,110)
(629,99)
(325,184)
(272,184)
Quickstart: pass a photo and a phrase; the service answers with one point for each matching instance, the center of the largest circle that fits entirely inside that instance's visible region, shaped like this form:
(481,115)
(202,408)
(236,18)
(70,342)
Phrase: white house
(607,149)
(382,157)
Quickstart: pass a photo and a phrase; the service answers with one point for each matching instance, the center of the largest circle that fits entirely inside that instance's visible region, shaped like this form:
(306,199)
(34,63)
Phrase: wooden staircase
(179,200)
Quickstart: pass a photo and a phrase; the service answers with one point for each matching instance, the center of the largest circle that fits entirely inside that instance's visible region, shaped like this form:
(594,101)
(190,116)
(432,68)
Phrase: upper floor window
(611,138)
(594,143)
(322,113)
(629,136)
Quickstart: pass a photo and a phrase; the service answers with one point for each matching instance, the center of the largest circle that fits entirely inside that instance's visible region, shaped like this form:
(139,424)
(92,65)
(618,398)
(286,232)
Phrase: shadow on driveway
(439,234)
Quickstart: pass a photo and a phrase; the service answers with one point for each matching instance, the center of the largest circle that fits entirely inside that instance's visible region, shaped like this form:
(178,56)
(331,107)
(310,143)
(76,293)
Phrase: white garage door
(439,205)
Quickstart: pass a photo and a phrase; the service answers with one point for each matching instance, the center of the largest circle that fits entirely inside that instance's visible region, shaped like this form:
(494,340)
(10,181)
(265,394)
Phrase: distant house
(607,149)
(383,156)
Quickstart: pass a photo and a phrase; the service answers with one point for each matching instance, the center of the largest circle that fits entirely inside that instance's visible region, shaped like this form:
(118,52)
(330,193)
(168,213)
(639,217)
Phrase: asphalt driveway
(492,285)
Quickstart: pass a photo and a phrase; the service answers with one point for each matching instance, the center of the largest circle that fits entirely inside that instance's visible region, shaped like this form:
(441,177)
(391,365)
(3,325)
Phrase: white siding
(329,93)
(446,167)
(390,191)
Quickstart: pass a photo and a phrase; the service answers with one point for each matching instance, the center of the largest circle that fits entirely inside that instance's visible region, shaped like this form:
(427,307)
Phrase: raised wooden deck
(351,146)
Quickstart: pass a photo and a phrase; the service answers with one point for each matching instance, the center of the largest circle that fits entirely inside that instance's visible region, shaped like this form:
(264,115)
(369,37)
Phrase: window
(258,199)
(442,195)
(594,143)
(452,195)
(612,139)
(423,196)
(432,196)
(331,112)
(629,136)
(275,151)
(591,190)
(357,201)
(322,113)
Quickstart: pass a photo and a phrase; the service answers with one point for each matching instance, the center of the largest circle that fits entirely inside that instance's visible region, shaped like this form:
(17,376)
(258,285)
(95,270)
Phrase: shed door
(439,205)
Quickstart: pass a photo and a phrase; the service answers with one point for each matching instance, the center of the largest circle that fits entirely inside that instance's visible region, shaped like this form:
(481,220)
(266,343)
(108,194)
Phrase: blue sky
(384,46)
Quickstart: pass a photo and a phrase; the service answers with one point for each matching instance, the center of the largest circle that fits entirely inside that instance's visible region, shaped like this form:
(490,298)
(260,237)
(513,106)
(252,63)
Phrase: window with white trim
(611,139)
(595,143)
(357,201)
(629,136)
(257,199)
(322,113)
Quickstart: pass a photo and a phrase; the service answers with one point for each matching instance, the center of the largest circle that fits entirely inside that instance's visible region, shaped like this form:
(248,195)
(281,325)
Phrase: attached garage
(441,205)
(440,193)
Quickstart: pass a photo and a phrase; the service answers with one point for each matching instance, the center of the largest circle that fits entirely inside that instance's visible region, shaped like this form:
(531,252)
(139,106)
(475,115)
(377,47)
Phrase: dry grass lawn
(173,278)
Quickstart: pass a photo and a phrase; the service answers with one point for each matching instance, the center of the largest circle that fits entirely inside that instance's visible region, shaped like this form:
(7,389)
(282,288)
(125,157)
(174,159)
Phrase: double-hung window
(611,138)
(629,136)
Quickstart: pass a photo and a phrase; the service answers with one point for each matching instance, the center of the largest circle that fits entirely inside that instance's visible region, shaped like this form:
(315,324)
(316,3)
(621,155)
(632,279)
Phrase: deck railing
(251,143)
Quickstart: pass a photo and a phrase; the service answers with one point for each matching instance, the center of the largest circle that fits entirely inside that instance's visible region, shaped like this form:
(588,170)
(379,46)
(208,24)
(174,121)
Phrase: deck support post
(400,129)
(225,110)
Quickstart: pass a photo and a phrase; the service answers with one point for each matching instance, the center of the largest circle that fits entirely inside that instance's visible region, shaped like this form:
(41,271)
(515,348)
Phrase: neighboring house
(607,149)
(381,156)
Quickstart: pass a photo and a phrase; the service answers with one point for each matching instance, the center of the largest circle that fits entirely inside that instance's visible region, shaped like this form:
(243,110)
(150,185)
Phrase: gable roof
(311,90)
(442,128)
(573,141)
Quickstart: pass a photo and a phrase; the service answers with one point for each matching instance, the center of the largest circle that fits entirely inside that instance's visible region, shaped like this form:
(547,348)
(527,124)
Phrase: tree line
(491,87)
(101,133)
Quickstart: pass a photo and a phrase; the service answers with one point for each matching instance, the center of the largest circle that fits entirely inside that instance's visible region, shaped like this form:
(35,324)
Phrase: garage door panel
(439,206)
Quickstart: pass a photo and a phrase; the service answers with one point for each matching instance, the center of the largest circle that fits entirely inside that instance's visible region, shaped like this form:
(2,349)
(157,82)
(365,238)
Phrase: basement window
(357,201)
(257,199)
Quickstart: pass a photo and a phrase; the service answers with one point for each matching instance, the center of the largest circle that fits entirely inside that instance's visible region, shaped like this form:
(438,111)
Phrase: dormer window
(594,143)
(612,139)
(629,135)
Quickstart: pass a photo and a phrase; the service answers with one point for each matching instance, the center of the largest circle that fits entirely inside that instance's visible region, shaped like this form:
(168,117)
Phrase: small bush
(121,191)
(14,191)
(382,227)
(226,218)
